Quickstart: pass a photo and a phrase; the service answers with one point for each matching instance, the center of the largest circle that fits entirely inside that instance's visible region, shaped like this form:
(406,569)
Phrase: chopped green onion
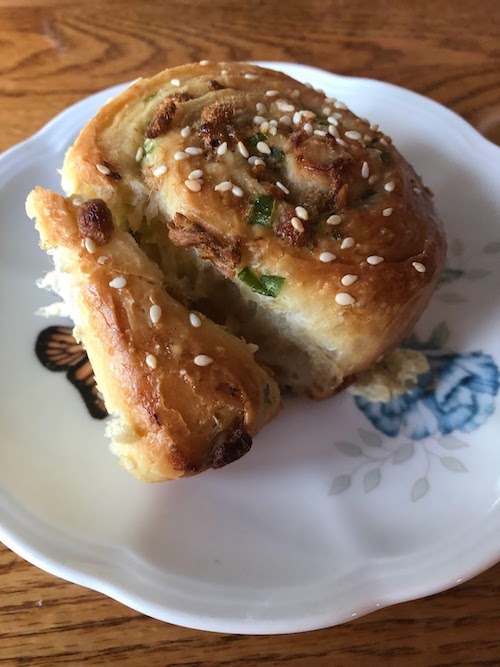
(255,138)
(149,145)
(265,285)
(273,284)
(322,121)
(150,97)
(262,210)
(276,156)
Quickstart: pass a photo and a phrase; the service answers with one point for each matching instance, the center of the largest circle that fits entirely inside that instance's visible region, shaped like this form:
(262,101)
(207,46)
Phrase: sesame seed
(204,62)
(332,120)
(194,320)
(77,201)
(320,133)
(308,115)
(159,171)
(352,134)
(272,93)
(155,313)
(339,105)
(264,127)
(260,108)
(417,191)
(383,142)
(180,155)
(262,147)
(348,242)
(348,280)
(365,170)
(374,127)
(296,224)
(301,213)
(90,246)
(151,361)
(258,120)
(186,131)
(222,148)
(333,131)
(102,259)
(250,76)
(255,161)
(283,187)
(175,82)
(196,175)
(326,111)
(103,169)
(297,118)
(273,131)
(389,186)
(193,150)
(374,260)
(295,93)
(418,266)
(284,106)
(337,115)
(341,142)
(237,192)
(203,360)
(327,257)
(286,120)
(373,179)
(308,128)
(194,186)
(344,299)
(224,186)
(367,138)
(252,348)
(387,212)
(334,220)
(140,154)
(118,283)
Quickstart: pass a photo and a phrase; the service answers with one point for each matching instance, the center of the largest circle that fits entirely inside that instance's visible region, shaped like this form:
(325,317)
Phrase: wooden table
(53,54)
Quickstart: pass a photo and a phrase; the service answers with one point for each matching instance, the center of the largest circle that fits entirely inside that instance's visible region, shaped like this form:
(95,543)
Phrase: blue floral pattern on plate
(456,394)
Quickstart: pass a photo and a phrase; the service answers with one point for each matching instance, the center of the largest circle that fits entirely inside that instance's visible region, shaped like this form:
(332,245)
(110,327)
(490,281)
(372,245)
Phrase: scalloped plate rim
(20,544)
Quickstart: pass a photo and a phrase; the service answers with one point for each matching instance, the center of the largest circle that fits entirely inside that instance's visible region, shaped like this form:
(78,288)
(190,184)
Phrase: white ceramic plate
(340,507)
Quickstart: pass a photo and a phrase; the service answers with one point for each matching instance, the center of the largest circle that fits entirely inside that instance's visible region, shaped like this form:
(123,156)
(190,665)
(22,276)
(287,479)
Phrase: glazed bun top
(307,208)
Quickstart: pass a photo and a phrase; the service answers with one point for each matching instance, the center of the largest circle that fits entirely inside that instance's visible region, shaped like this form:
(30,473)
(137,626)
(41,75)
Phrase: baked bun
(269,209)
(185,395)
(243,185)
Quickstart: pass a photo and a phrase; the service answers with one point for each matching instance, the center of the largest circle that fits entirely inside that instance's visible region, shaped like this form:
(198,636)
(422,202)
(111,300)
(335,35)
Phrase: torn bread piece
(184,394)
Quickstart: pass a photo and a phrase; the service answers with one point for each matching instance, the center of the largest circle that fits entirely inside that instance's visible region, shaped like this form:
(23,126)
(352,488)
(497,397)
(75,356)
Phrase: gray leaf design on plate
(372,479)
(477,274)
(450,442)
(492,247)
(453,464)
(451,297)
(340,484)
(349,448)
(419,489)
(370,438)
(404,453)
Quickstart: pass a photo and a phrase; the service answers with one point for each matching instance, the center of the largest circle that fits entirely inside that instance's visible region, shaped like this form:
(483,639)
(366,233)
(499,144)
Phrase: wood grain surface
(53,54)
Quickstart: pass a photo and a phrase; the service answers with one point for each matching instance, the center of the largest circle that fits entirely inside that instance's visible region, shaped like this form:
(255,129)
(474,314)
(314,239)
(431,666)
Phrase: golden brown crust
(385,237)
(179,417)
